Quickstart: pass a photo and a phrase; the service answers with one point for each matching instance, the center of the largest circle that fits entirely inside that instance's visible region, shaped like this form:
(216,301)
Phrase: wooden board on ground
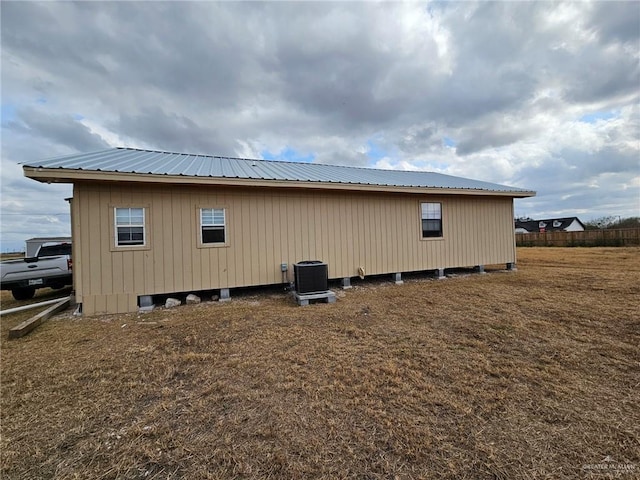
(37,320)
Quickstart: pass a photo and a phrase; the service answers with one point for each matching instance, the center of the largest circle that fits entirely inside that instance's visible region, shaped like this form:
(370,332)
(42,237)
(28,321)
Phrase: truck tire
(23,293)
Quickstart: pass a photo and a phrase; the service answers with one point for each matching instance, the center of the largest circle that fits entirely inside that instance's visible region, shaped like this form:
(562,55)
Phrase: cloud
(171,131)
(615,22)
(535,94)
(57,128)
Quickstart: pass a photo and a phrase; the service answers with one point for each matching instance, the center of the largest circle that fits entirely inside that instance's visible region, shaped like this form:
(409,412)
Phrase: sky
(542,95)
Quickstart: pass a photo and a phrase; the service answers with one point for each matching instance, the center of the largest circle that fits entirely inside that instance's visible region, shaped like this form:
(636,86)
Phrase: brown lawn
(532,374)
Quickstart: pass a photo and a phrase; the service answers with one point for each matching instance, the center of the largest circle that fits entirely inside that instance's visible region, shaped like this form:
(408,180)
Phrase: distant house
(569,224)
(151,223)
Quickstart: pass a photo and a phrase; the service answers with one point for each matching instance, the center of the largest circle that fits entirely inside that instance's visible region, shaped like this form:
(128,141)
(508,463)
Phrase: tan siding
(125,272)
(203,256)
(395,234)
(271,256)
(403,243)
(76,235)
(122,303)
(111,303)
(179,269)
(83,262)
(95,226)
(101,304)
(163,242)
(262,262)
(513,236)
(196,256)
(333,217)
(244,256)
(349,237)
(102,238)
(370,262)
(276,233)
(306,219)
(361,237)
(298,232)
(188,242)
(390,246)
(266,228)
(283,233)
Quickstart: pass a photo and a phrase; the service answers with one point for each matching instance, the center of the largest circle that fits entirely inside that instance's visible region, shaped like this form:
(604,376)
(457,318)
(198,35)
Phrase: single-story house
(568,224)
(150,223)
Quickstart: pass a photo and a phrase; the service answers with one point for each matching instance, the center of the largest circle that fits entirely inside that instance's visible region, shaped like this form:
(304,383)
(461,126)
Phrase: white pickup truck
(51,267)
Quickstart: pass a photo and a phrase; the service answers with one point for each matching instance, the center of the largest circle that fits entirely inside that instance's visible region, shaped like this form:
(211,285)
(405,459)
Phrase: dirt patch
(527,374)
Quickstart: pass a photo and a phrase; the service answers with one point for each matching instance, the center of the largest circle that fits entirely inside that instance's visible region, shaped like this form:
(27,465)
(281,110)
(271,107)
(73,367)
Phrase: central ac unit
(311,276)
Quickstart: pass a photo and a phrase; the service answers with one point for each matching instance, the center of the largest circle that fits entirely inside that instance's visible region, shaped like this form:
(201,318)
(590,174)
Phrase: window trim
(199,240)
(442,214)
(146,227)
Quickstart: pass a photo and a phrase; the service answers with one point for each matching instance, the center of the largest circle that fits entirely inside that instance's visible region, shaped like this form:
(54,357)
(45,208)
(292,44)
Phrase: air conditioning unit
(311,276)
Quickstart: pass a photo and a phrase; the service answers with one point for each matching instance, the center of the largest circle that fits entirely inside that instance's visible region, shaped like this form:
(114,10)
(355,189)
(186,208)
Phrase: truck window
(52,250)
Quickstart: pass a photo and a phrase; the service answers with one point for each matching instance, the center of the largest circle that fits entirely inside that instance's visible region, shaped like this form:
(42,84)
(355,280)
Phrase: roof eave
(60,175)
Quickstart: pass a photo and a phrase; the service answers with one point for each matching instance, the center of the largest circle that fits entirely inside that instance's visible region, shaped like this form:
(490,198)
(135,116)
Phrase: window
(431,220)
(129,226)
(212,225)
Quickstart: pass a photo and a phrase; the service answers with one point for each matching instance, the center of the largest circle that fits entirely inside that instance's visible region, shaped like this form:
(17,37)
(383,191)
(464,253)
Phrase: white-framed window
(212,226)
(129,226)
(431,219)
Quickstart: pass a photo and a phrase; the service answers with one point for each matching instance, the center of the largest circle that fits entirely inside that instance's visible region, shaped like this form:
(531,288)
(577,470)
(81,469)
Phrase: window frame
(440,219)
(201,226)
(115,246)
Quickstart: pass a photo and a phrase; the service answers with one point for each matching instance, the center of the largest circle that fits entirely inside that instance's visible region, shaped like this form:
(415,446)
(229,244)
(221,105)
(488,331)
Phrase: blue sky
(8,113)
(598,116)
(288,154)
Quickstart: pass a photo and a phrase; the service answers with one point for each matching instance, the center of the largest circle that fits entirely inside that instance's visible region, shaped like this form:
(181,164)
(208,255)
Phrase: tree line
(611,222)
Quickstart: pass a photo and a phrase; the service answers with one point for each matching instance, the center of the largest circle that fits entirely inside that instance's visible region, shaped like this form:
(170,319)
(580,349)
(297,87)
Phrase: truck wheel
(24,293)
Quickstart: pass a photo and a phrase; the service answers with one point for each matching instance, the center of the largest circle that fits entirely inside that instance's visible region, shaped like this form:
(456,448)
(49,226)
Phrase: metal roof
(149,162)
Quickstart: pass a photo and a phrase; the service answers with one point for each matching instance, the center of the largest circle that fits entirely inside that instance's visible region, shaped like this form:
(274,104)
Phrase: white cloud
(497,91)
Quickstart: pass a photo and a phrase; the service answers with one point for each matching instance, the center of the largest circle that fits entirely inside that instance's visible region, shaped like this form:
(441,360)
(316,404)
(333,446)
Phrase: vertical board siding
(95,224)
(267,227)
(82,251)
(76,238)
(102,257)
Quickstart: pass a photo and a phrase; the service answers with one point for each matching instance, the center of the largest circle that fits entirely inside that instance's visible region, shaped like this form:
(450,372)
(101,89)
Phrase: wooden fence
(621,237)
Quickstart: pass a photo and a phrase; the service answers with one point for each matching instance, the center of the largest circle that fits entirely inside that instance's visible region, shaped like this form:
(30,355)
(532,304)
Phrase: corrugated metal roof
(130,160)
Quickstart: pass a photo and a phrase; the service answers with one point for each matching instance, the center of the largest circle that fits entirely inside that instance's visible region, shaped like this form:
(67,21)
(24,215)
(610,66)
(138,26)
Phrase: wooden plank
(32,323)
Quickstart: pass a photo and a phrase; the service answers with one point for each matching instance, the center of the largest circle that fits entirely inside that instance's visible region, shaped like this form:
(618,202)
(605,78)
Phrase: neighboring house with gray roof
(154,223)
(566,224)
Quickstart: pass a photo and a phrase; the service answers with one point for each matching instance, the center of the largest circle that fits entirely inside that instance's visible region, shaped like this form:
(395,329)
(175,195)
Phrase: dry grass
(8,302)
(508,375)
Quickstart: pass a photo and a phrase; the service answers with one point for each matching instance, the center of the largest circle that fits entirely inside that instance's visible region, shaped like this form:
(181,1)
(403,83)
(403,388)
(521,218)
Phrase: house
(148,222)
(568,224)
